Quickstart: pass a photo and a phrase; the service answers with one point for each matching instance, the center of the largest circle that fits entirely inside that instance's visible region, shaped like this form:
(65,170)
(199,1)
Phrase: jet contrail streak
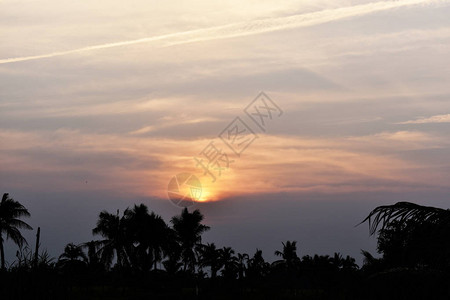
(242,28)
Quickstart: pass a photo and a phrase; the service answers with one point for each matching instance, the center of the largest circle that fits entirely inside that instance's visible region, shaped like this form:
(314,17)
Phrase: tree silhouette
(189,230)
(402,211)
(257,266)
(242,261)
(73,252)
(10,224)
(173,253)
(148,236)
(289,255)
(349,263)
(92,252)
(209,256)
(160,234)
(230,263)
(112,228)
(73,257)
(411,234)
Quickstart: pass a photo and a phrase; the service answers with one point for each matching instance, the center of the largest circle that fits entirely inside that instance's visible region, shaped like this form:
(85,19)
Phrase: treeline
(139,255)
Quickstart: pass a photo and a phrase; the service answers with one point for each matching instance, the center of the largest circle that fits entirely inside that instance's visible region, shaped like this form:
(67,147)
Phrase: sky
(103,102)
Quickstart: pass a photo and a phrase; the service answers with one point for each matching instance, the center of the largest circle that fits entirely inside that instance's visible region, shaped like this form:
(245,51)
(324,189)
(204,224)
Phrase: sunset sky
(103,102)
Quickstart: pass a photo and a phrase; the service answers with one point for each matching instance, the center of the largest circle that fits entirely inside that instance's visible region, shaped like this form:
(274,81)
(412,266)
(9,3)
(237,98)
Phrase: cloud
(172,123)
(433,119)
(240,29)
(64,159)
(398,141)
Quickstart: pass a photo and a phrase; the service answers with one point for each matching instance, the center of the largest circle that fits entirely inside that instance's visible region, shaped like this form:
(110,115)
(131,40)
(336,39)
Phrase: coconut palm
(113,229)
(209,256)
(382,216)
(72,257)
(411,234)
(159,236)
(189,230)
(230,263)
(257,266)
(73,252)
(349,263)
(10,224)
(92,252)
(148,234)
(242,261)
(173,253)
(289,254)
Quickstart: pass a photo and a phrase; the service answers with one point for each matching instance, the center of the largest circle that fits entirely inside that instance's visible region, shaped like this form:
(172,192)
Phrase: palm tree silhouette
(411,234)
(92,250)
(288,255)
(173,253)
(189,230)
(93,258)
(257,266)
(209,256)
(159,236)
(148,234)
(112,228)
(73,252)
(382,216)
(10,213)
(230,263)
(72,257)
(242,261)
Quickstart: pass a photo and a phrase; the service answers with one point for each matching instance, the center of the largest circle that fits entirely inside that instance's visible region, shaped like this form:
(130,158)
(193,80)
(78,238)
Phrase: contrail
(241,29)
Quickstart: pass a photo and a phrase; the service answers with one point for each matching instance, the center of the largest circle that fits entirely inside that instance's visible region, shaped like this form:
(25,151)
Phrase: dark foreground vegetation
(140,256)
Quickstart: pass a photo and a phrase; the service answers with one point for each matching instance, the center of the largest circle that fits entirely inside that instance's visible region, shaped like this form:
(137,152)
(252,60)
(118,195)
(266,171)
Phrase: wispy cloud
(171,123)
(432,119)
(273,163)
(240,29)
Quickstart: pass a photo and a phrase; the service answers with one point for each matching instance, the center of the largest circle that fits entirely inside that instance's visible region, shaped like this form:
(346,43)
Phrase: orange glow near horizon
(271,164)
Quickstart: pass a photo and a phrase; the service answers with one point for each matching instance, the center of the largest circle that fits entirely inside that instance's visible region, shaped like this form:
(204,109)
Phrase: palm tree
(230,263)
(10,213)
(411,234)
(242,260)
(349,263)
(92,252)
(136,231)
(148,232)
(209,256)
(72,257)
(159,236)
(339,262)
(382,216)
(289,254)
(73,252)
(189,230)
(257,266)
(112,228)
(173,253)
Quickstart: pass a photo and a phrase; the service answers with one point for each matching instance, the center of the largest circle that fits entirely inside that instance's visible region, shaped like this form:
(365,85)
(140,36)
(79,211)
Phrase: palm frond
(403,211)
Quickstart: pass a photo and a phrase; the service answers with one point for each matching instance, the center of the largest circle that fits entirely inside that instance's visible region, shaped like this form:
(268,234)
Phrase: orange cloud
(71,160)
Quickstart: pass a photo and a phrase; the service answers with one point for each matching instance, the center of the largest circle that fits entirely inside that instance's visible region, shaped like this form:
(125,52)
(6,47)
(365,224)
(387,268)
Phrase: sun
(206,195)
(209,194)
